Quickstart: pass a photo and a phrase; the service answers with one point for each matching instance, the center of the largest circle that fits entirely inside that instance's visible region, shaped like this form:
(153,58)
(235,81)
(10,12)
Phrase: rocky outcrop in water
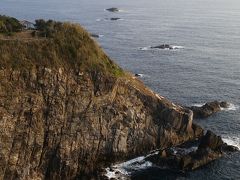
(115,19)
(113,9)
(95,35)
(192,155)
(208,109)
(162,46)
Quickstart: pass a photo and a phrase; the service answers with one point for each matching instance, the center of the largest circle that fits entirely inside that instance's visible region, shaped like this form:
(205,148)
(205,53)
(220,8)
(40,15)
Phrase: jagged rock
(212,141)
(198,130)
(229,148)
(193,154)
(208,109)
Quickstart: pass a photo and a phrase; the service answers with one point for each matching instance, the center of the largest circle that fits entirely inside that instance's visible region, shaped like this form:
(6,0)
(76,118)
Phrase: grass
(67,46)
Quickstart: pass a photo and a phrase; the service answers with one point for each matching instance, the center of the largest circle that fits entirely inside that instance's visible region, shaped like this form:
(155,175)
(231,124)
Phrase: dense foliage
(9,25)
(45,28)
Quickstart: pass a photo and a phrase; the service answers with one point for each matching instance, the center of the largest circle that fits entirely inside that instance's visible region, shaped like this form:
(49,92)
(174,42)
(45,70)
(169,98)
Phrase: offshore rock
(113,9)
(208,109)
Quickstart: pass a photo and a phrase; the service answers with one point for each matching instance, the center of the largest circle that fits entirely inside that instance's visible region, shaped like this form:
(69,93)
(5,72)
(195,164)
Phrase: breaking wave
(125,169)
(232,140)
(231,107)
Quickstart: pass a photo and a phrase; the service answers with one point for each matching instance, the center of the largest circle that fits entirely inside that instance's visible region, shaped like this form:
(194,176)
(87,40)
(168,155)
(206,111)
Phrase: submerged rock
(208,109)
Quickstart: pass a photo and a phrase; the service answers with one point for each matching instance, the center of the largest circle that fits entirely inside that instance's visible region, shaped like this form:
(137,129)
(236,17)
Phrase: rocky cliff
(66,109)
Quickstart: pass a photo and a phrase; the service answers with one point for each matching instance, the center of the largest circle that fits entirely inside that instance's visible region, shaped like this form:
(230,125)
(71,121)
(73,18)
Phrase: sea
(203,66)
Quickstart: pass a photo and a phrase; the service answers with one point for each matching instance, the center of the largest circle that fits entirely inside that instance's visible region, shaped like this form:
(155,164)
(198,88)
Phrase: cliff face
(58,122)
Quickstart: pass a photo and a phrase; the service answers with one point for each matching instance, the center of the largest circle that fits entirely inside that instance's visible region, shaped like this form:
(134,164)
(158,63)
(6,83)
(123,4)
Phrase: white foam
(198,104)
(184,150)
(139,75)
(145,48)
(233,140)
(98,19)
(124,169)
(177,47)
(231,107)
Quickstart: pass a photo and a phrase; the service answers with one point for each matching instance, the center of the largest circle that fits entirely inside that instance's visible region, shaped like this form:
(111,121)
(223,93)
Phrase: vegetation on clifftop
(8,25)
(55,44)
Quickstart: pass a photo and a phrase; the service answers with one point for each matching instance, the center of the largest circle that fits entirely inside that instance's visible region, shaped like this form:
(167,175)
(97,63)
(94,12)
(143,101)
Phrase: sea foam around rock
(147,48)
(231,107)
(125,169)
(232,140)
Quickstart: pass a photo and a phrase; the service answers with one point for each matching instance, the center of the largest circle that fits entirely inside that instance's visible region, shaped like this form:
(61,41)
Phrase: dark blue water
(208,68)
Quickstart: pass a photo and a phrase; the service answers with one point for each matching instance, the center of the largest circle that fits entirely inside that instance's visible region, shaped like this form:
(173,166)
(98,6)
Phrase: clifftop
(68,46)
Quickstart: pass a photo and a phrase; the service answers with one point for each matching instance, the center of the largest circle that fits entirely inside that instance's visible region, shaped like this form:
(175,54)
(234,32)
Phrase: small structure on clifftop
(27,24)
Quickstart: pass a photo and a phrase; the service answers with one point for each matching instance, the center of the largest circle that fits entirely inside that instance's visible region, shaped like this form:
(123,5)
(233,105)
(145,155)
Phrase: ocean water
(206,68)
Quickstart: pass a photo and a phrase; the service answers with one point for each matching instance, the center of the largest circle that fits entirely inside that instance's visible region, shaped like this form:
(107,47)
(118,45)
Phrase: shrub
(8,25)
